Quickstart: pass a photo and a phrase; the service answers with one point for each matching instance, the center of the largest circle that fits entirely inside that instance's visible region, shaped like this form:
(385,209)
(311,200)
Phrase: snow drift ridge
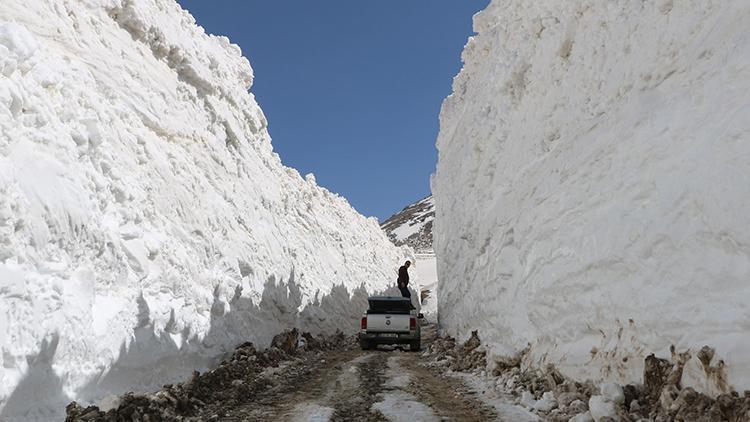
(145,223)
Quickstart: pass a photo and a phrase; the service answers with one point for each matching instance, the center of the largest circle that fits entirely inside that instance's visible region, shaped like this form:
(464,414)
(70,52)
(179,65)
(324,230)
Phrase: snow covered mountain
(412,226)
(146,225)
(591,195)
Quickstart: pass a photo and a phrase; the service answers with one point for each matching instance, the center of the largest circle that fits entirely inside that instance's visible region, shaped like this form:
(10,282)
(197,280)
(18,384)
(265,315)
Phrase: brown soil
(351,381)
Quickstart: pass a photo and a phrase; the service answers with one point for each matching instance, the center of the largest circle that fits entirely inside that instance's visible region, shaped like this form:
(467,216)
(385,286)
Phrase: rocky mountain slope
(146,225)
(588,195)
(412,226)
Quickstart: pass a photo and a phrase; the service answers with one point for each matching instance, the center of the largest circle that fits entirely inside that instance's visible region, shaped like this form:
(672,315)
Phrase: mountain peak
(412,226)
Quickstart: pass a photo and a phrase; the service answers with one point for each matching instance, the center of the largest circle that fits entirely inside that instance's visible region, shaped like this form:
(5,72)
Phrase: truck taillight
(412,323)
(364,323)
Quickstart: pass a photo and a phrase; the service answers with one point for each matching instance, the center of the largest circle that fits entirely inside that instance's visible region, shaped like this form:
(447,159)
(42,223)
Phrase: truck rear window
(389,306)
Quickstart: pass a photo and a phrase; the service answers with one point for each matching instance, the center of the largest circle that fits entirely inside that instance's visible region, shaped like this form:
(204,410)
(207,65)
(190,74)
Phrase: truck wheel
(415,346)
(365,345)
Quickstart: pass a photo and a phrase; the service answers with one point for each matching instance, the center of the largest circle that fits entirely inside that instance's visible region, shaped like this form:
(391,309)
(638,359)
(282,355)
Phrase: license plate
(389,335)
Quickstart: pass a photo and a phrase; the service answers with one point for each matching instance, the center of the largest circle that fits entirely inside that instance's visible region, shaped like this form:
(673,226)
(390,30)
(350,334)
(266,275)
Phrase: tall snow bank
(146,225)
(591,191)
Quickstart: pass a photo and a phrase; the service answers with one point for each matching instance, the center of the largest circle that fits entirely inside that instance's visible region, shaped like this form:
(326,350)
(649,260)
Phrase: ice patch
(398,376)
(403,407)
(311,412)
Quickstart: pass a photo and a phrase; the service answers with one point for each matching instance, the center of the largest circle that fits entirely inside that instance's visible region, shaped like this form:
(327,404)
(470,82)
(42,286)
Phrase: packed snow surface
(146,225)
(591,192)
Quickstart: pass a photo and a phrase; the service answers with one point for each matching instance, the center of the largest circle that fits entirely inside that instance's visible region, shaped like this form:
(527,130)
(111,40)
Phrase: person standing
(403,280)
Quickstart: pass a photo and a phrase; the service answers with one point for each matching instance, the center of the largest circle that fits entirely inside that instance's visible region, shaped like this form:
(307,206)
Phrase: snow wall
(146,225)
(591,192)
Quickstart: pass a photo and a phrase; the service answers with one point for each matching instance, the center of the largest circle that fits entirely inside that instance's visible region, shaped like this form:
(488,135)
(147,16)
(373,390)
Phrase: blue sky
(351,89)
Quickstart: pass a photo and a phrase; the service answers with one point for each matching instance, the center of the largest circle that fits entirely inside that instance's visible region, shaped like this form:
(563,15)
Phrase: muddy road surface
(386,384)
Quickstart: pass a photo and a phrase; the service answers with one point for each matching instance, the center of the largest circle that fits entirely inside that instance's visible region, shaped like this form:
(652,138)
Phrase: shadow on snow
(150,359)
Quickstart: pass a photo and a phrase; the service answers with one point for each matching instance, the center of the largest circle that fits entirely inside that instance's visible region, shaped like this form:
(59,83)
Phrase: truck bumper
(389,338)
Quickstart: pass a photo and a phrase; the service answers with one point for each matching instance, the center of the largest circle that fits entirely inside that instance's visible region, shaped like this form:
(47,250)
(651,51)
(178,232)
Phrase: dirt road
(381,385)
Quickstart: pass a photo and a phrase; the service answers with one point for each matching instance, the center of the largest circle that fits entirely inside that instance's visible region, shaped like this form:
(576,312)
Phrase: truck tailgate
(385,323)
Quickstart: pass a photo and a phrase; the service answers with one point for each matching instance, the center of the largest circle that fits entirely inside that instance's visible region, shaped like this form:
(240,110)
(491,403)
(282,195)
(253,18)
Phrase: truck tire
(415,346)
(365,344)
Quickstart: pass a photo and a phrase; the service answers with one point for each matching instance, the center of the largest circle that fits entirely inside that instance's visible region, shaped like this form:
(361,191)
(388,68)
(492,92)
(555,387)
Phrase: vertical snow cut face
(146,225)
(591,195)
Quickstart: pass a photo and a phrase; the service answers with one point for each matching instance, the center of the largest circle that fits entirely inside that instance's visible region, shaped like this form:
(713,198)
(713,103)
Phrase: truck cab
(390,320)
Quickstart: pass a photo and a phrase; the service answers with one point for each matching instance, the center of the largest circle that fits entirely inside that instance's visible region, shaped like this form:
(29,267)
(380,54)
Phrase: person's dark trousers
(406,293)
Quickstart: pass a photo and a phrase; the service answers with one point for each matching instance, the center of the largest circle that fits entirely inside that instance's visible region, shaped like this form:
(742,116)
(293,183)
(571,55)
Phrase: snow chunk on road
(612,392)
(601,408)
(546,403)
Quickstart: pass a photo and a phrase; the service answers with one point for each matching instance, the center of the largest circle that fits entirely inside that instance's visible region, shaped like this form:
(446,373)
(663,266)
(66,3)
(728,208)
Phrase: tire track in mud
(290,385)
(356,404)
(343,390)
(449,398)
(428,393)
(341,387)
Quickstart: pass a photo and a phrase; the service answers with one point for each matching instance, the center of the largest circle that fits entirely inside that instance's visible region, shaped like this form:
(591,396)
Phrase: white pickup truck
(390,320)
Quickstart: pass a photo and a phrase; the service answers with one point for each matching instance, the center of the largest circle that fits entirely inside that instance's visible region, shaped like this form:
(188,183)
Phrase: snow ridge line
(193,71)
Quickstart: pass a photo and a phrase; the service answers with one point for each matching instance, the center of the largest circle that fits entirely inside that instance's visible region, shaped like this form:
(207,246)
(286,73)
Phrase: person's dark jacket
(403,276)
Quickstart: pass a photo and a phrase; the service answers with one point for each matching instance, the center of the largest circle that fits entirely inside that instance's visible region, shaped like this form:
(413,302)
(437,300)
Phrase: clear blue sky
(351,89)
